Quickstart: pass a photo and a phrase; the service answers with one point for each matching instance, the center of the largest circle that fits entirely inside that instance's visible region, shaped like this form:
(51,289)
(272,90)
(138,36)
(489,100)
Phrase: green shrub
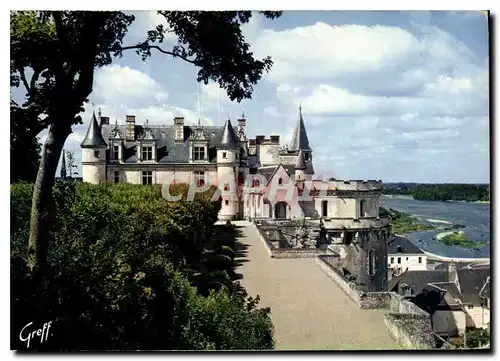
(117,275)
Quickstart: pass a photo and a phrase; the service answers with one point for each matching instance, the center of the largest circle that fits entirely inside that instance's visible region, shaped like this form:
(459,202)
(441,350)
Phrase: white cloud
(116,84)
(321,50)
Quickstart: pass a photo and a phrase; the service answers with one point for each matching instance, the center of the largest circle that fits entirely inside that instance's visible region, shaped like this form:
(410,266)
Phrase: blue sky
(396,96)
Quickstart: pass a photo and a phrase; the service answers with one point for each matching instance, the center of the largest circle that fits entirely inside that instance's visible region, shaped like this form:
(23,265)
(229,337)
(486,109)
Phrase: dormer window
(224,155)
(116,152)
(147,153)
(199,153)
(280,181)
(306,156)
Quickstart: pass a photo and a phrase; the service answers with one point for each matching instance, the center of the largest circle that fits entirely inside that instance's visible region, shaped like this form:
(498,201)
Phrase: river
(475,216)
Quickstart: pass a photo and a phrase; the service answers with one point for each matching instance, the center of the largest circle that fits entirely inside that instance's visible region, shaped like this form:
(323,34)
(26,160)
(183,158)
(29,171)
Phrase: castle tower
(300,142)
(227,169)
(300,168)
(94,154)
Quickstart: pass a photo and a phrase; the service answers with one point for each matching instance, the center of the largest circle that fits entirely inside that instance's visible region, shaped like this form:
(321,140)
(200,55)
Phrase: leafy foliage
(441,192)
(117,275)
(460,240)
(404,222)
(478,337)
(24,150)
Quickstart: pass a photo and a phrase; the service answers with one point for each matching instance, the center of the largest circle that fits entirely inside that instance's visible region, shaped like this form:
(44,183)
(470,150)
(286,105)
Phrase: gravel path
(309,311)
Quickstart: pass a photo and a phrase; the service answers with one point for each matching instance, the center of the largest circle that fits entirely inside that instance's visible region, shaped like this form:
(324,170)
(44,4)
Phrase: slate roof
(471,283)
(301,163)
(402,245)
(168,150)
(418,279)
(228,138)
(451,290)
(93,138)
(299,139)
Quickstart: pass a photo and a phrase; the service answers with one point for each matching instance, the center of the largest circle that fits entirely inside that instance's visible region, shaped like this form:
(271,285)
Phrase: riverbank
(436,257)
(474,221)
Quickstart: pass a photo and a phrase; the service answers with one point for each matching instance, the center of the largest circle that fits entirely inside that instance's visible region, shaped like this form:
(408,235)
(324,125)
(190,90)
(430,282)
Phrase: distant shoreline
(410,197)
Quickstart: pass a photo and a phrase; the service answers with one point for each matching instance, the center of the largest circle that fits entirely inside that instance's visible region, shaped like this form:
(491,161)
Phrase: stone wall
(409,325)
(289,252)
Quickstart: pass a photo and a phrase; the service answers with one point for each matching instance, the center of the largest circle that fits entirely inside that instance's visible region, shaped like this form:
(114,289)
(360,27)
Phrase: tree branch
(144,47)
(25,81)
(34,78)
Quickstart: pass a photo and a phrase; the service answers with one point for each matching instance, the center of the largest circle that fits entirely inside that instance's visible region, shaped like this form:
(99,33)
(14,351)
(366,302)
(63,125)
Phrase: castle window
(362,208)
(419,259)
(97,154)
(117,176)
(392,260)
(241,178)
(227,202)
(224,155)
(147,153)
(199,177)
(399,260)
(199,153)
(280,181)
(226,187)
(255,183)
(147,178)
(116,152)
(242,153)
(324,208)
(348,237)
(306,156)
(371,262)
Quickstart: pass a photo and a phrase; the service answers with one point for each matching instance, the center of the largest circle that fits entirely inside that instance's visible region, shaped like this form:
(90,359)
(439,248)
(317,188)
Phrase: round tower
(94,154)
(227,171)
(300,168)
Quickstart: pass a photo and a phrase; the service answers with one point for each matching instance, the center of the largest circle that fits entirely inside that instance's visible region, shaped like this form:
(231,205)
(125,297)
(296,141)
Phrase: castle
(269,181)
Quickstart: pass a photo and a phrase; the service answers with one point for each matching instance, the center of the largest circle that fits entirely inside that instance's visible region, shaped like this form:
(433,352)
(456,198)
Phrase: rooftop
(401,245)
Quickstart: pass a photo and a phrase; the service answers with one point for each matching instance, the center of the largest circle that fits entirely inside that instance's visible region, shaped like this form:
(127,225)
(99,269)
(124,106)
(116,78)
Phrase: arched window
(371,263)
(280,181)
(255,183)
(362,208)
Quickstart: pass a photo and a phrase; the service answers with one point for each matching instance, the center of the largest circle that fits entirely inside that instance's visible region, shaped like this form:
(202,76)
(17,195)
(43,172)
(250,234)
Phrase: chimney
(242,123)
(104,120)
(130,120)
(179,129)
(275,139)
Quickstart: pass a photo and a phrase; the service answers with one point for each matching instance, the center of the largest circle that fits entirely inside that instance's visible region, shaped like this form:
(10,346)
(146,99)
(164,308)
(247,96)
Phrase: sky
(392,96)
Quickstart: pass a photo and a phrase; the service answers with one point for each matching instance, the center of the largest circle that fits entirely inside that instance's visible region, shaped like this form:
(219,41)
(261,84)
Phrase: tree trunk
(43,206)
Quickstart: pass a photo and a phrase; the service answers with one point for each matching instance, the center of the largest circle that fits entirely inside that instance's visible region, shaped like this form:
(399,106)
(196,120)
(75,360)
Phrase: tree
(61,49)
(24,151)
(71,165)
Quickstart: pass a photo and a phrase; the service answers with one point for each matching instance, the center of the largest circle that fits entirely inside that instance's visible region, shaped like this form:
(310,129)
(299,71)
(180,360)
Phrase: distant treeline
(440,192)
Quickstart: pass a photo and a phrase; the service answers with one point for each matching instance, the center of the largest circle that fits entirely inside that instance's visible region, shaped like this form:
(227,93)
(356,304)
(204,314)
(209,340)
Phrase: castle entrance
(280,210)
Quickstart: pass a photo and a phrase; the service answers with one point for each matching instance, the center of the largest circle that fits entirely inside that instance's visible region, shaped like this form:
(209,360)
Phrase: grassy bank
(460,240)
(405,223)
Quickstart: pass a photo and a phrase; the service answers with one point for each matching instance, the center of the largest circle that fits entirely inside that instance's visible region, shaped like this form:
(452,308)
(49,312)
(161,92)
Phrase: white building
(402,255)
